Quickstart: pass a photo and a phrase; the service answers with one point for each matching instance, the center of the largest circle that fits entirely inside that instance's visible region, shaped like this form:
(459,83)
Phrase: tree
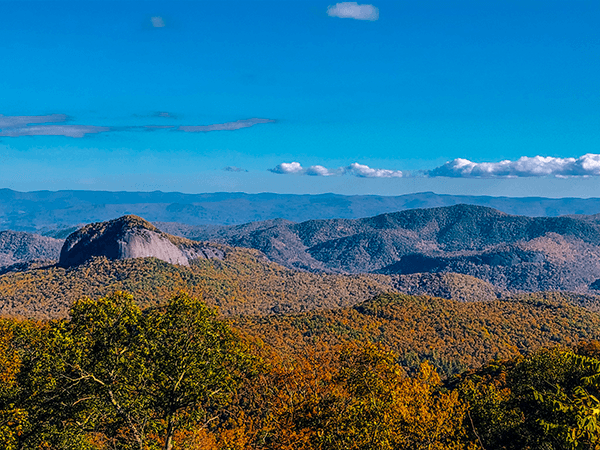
(195,364)
(102,372)
(388,410)
(576,423)
(13,419)
(546,400)
(137,378)
(368,402)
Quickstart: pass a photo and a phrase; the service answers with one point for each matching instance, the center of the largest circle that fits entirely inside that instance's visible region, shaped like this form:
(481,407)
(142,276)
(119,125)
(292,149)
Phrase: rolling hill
(452,335)
(19,247)
(133,255)
(511,252)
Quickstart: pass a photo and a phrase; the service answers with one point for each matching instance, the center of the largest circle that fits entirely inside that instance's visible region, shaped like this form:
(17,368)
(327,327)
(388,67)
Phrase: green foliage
(195,364)
(547,400)
(132,378)
(176,376)
(577,409)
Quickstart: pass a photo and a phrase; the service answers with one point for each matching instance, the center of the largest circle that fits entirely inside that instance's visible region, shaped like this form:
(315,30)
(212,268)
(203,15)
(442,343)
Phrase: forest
(179,376)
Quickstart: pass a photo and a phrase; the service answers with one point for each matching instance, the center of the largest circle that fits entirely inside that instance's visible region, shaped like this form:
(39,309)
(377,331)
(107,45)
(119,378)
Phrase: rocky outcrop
(132,237)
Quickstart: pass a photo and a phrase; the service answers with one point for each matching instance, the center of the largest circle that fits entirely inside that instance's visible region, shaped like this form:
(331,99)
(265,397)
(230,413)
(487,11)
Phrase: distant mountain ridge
(467,253)
(50,212)
(511,252)
(515,253)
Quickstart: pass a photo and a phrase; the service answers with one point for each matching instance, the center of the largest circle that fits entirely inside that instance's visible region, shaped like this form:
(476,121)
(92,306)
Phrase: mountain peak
(127,237)
(133,221)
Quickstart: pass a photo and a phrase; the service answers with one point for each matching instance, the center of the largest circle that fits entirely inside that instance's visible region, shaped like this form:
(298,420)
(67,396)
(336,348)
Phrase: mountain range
(511,252)
(130,254)
(58,213)
(461,251)
(343,290)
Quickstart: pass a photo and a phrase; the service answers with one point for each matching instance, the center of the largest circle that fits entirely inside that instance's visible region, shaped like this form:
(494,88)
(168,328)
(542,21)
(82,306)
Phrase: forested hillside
(301,360)
(19,247)
(510,252)
(114,376)
(243,283)
(452,335)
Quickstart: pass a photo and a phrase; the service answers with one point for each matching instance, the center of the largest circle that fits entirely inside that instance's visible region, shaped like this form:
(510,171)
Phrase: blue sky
(473,97)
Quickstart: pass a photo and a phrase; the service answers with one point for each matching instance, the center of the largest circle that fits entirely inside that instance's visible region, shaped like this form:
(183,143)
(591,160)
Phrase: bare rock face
(131,237)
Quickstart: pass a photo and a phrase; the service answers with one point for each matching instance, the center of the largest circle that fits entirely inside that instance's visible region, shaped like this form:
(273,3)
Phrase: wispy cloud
(150,127)
(75,131)
(352,10)
(52,125)
(157,22)
(537,166)
(164,115)
(227,126)
(17,126)
(234,169)
(355,169)
(20,121)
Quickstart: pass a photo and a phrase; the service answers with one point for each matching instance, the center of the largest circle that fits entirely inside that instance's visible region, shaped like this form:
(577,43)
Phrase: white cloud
(75,131)
(537,166)
(227,126)
(320,171)
(284,168)
(157,22)
(358,170)
(352,10)
(20,121)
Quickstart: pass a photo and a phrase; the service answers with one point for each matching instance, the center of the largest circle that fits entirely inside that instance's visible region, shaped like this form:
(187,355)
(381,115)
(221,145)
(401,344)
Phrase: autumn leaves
(178,377)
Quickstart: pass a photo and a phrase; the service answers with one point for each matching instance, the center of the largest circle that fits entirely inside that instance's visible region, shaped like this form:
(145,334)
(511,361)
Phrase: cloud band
(17,126)
(75,131)
(22,121)
(355,169)
(537,166)
(587,165)
(227,126)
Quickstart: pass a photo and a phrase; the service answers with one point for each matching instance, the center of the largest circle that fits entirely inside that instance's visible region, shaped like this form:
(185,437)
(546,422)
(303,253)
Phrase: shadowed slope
(511,252)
